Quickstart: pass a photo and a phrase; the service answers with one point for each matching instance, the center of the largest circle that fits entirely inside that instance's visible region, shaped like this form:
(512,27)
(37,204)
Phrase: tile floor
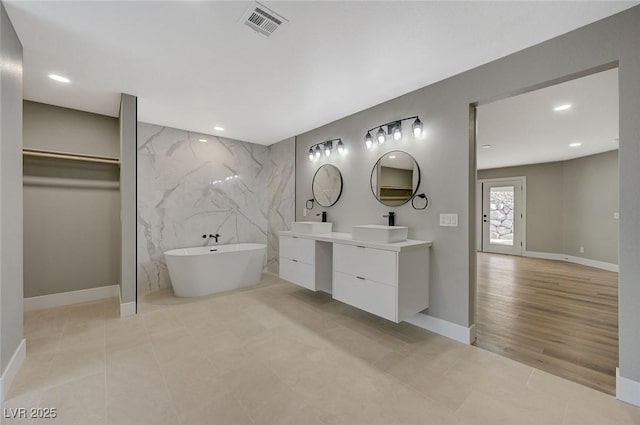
(278,354)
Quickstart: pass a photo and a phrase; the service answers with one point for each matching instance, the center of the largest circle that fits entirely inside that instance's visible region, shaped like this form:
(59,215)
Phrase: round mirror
(327,185)
(395,178)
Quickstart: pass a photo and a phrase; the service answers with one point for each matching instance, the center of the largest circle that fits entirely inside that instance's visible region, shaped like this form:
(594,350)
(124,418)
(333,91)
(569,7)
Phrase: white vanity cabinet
(390,280)
(390,284)
(306,262)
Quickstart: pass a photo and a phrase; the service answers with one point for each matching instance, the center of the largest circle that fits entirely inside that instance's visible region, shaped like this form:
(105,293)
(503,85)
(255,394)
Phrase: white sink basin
(311,227)
(379,234)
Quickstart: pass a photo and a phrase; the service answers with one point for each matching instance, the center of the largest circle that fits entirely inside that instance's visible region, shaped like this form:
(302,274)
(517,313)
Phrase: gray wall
(447,158)
(71,221)
(570,204)
(50,127)
(591,197)
(10,191)
(128,192)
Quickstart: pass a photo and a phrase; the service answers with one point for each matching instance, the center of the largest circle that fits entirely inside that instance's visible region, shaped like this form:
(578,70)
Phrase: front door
(503,216)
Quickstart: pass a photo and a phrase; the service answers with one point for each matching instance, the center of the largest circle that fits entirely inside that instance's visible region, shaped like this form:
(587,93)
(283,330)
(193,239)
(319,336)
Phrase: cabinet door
(374,297)
(299,273)
(295,248)
(373,264)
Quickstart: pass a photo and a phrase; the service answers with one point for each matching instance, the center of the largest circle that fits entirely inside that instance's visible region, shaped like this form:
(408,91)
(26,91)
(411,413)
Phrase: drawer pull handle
(358,277)
(360,246)
(294,237)
(295,261)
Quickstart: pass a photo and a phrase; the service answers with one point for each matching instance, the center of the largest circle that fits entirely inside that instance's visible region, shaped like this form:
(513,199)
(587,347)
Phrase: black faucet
(216,236)
(392,218)
(324,216)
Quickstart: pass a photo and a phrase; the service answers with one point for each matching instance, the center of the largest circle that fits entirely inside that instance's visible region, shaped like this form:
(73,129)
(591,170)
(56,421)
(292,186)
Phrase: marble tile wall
(281,187)
(187,188)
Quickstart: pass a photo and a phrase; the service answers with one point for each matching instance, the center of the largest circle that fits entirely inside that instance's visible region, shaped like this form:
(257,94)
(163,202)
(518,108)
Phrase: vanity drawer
(374,297)
(373,264)
(299,273)
(299,249)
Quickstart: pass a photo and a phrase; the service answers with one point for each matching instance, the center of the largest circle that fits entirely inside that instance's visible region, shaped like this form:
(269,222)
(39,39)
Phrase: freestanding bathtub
(209,269)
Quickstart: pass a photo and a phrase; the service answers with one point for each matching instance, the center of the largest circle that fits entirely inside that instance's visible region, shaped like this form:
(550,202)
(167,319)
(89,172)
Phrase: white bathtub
(210,269)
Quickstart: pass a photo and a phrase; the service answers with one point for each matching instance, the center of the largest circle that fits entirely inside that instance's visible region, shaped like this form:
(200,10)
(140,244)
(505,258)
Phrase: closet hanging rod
(72,156)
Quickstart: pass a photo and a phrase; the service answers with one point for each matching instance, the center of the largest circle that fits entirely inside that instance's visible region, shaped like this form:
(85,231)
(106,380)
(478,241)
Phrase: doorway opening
(547,194)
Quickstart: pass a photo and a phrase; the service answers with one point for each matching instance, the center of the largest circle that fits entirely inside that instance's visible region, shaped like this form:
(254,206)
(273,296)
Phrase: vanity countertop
(346,238)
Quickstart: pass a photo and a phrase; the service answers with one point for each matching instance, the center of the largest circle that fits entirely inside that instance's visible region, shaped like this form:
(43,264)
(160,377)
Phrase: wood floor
(552,315)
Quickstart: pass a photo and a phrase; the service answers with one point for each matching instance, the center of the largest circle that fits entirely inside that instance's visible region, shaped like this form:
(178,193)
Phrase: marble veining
(282,196)
(187,188)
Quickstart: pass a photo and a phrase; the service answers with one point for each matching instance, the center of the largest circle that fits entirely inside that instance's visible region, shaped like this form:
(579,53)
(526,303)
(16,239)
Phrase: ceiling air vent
(262,19)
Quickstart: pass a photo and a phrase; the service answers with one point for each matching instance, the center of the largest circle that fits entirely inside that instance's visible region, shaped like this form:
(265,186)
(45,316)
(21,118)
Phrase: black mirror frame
(414,191)
(341,186)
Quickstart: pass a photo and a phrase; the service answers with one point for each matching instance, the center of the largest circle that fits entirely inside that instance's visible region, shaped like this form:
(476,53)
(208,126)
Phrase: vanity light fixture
(316,150)
(393,128)
(397,133)
(416,127)
(368,140)
(381,136)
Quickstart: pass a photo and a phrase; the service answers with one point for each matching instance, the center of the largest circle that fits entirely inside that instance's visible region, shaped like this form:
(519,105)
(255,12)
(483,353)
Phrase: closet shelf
(71,156)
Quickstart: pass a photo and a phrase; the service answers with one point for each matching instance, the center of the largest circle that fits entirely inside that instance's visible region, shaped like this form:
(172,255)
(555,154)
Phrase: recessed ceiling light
(575,145)
(59,78)
(203,140)
(218,128)
(486,146)
(392,157)
(562,107)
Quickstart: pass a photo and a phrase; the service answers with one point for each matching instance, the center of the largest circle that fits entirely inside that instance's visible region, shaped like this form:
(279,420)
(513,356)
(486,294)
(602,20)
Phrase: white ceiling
(194,66)
(525,129)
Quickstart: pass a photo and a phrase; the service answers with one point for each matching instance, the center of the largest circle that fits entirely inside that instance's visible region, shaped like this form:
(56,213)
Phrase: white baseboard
(463,334)
(72,297)
(12,369)
(572,259)
(126,309)
(627,389)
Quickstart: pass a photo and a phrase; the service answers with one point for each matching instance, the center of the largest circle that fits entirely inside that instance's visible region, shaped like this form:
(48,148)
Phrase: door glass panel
(501,205)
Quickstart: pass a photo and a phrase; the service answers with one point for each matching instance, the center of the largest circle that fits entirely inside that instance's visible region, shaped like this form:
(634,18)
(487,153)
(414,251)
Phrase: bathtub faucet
(208,238)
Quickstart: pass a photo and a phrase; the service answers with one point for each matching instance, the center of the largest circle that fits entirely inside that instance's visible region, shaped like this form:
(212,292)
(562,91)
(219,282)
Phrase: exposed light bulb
(368,140)
(202,140)
(218,128)
(340,147)
(397,133)
(381,135)
(311,155)
(416,127)
(318,152)
(575,145)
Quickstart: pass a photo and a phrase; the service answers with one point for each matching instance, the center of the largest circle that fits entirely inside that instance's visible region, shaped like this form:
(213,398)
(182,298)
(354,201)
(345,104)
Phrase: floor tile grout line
(164,379)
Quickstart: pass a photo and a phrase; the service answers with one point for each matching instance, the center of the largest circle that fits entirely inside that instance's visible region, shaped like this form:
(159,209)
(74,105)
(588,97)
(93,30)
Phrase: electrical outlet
(581,250)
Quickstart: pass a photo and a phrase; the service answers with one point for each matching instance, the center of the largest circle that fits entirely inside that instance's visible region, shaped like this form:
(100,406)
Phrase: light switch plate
(616,216)
(449,220)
